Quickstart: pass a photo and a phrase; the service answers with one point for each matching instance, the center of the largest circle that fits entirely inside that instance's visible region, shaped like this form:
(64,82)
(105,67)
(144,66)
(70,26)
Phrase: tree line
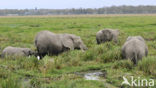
(104,10)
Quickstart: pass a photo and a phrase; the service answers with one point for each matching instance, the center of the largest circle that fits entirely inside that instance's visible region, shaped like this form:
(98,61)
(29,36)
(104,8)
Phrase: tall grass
(148,65)
(123,64)
(11,82)
(107,52)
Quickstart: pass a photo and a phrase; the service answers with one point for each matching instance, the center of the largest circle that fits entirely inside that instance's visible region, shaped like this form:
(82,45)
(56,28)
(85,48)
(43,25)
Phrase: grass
(148,65)
(57,71)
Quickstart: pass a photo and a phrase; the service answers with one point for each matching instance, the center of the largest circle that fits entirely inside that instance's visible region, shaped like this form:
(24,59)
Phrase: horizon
(69,4)
(78,8)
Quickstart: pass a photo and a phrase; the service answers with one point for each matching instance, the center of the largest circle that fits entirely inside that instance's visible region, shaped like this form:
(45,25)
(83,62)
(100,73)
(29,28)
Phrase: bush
(148,65)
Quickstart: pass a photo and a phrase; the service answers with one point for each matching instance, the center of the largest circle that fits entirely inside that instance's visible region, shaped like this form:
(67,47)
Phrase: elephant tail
(135,57)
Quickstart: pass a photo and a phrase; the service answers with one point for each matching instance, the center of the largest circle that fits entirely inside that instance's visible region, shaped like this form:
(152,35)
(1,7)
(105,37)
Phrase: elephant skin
(134,48)
(17,52)
(106,35)
(50,43)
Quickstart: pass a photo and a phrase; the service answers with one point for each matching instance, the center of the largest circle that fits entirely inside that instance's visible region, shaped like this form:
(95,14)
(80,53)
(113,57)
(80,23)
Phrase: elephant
(17,52)
(134,49)
(50,43)
(106,35)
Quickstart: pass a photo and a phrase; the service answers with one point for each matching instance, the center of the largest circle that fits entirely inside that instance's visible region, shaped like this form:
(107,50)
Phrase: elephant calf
(134,49)
(50,43)
(16,51)
(106,35)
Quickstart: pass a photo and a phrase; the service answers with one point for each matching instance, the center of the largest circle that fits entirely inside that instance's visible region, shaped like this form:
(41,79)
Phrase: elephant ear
(68,43)
(129,38)
(117,31)
(27,52)
(140,38)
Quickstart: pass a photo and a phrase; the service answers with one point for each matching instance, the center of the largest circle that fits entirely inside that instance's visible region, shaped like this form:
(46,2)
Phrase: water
(96,75)
(93,75)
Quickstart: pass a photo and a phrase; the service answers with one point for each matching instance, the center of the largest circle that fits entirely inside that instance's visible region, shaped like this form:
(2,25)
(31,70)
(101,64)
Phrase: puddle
(95,75)
(92,75)
(88,75)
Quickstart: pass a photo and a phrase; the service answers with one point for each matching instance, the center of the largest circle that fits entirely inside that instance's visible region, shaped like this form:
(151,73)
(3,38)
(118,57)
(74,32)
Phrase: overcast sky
(61,4)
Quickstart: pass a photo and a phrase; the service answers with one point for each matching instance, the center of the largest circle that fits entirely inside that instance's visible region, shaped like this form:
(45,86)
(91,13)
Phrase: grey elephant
(106,35)
(17,52)
(134,48)
(50,43)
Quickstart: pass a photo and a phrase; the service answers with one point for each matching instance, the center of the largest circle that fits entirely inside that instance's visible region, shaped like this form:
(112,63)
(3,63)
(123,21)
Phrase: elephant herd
(49,43)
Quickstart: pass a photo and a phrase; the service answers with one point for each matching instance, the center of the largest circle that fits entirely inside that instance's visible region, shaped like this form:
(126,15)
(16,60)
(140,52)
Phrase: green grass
(148,65)
(57,71)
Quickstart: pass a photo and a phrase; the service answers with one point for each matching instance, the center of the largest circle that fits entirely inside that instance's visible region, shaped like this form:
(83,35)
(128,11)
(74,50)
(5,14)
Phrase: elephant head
(78,43)
(73,42)
(107,35)
(140,38)
(28,52)
(136,37)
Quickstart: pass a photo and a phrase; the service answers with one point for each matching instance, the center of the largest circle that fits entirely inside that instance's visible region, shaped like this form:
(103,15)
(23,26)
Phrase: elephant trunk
(83,48)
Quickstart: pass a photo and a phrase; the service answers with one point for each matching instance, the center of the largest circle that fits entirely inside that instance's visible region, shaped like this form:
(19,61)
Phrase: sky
(63,4)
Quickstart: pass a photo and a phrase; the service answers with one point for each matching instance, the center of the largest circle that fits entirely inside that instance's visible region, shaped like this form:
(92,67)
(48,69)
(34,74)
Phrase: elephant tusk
(38,57)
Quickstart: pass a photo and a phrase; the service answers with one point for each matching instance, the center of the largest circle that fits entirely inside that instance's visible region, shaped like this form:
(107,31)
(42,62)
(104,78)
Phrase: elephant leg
(135,57)
(134,61)
(97,40)
(41,55)
(123,55)
(146,52)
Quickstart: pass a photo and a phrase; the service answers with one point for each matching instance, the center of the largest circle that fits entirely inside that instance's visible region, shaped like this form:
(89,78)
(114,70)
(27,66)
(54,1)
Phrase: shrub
(148,65)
